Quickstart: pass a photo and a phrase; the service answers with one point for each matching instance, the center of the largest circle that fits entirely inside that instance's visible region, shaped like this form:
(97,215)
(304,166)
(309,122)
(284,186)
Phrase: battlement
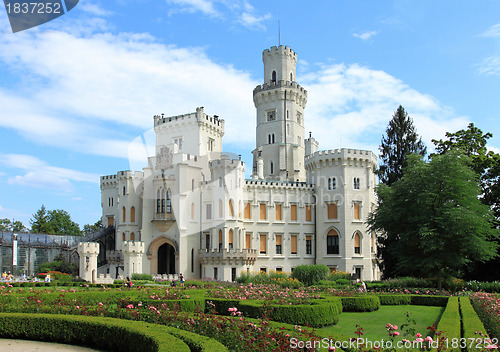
(278,184)
(226,162)
(88,248)
(133,247)
(199,116)
(280,50)
(279,84)
(347,157)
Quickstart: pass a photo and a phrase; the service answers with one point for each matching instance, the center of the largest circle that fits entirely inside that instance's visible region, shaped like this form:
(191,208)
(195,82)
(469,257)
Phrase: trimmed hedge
(471,323)
(449,323)
(394,300)
(435,301)
(367,303)
(320,312)
(104,333)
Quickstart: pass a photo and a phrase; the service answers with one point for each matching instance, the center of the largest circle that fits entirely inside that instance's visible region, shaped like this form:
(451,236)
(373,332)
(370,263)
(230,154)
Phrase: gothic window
(248,240)
(334,183)
(299,140)
(178,142)
(308,212)
(124,213)
(273,77)
(268,139)
(231,238)
(132,237)
(308,244)
(231,208)
(221,212)
(279,216)
(357,243)
(169,201)
(332,242)
(158,201)
(162,201)
(220,181)
(123,236)
(356,183)
(211,143)
(220,239)
(247,211)
(132,214)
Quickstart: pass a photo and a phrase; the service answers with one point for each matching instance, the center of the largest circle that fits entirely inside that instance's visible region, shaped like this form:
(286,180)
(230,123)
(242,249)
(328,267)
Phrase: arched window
(109,201)
(124,237)
(221,208)
(329,184)
(169,201)
(357,243)
(162,200)
(332,242)
(124,214)
(192,211)
(231,208)
(124,190)
(231,235)
(268,139)
(356,183)
(132,214)
(273,77)
(291,77)
(158,201)
(220,239)
(334,183)
(132,237)
(271,167)
(272,138)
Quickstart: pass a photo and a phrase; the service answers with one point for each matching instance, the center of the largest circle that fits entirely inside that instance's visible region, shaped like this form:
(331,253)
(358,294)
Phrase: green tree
(12,226)
(434,217)
(60,223)
(39,221)
(90,229)
(401,140)
(472,142)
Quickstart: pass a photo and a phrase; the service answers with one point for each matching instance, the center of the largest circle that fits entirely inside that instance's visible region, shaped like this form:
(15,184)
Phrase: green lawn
(373,323)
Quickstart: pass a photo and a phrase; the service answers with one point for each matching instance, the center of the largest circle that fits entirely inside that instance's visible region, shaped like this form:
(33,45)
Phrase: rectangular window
(209,211)
(263,244)
(216,274)
(211,144)
(248,240)
(248,213)
(293,212)
(357,214)
(308,212)
(278,212)
(263,211)
(278,244)
(233,274)
(294,244)
(279,270)
(263,270)
(308,244)
(207,241)
(332,211)
(178,142)
(332,245)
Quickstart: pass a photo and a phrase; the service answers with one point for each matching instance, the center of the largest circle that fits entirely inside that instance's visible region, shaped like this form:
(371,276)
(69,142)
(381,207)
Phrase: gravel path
(7,345)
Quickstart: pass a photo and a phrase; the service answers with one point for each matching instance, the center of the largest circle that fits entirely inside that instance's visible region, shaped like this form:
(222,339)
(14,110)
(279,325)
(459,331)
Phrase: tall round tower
(280,104)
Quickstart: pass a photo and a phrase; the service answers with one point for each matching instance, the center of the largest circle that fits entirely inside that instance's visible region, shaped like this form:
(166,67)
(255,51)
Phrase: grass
(373,323)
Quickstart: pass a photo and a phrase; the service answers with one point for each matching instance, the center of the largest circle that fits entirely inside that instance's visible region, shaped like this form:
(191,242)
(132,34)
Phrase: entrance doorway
(166,259)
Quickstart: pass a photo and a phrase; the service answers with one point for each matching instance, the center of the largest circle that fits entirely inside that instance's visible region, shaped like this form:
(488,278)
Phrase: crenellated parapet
(88,252)
(281,50)
(341,157)
(280,90)
(198,117)
(133,252)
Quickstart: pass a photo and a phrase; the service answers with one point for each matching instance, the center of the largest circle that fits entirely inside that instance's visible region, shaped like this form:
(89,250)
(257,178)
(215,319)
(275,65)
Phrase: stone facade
(193,212)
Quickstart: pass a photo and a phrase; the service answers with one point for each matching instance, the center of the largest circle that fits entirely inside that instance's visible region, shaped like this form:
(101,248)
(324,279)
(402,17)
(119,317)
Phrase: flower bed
(487,306)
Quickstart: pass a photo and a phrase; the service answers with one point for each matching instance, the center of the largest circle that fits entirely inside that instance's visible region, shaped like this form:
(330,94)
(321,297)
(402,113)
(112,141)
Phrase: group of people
(7,276)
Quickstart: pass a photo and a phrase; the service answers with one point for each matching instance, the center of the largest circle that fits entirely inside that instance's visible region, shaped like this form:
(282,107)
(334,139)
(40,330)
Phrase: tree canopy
(12,226)
(56,222)
(434,218)
(90,229)
(401,140)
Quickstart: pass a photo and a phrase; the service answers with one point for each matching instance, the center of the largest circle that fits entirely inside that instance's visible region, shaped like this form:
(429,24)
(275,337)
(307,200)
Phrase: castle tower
(280,104)
(88,252)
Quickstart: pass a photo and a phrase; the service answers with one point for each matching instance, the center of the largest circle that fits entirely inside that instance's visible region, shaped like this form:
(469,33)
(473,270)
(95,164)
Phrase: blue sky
(75,92)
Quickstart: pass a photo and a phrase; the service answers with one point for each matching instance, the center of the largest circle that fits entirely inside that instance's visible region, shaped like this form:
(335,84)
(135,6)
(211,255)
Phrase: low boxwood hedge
(449,323)
(471,324)
(366,303)
(104,333)
(425,300)
(394,300)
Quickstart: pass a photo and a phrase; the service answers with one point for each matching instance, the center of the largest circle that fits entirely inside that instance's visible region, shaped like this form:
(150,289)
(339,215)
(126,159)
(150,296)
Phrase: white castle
(192,211)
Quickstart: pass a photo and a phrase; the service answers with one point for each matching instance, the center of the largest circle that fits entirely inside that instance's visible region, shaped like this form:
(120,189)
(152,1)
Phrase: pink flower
(418,335)
(428,339)
(130,306)
(77,307)
(396,333)
(419,339)
(100,304)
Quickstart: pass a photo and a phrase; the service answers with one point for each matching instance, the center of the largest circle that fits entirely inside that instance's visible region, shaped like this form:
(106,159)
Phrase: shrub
(471,323)
(394,300)
(366,303)
(449,323)
(424,300)
(487,306)
(310,274)
(145,277)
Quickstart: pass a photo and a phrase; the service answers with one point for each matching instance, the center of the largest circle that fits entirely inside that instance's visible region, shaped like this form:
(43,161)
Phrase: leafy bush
(339,275)
(366,303)
(424,300)
(145,277)
(471,323)
(279,278)
(449,323)
(310,274)
(487,306)
(394,300)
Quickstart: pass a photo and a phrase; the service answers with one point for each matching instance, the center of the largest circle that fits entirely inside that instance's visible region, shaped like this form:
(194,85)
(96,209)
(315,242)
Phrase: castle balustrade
(228,256)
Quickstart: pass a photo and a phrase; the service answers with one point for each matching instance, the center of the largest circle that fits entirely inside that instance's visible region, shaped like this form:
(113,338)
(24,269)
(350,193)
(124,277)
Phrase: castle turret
(280,104)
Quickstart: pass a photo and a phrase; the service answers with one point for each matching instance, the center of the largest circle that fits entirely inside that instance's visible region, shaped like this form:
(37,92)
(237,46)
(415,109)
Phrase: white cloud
(365,35)
(93,8)
(204,6)
(493,31)
(41,175)
(351,105)
(490,66)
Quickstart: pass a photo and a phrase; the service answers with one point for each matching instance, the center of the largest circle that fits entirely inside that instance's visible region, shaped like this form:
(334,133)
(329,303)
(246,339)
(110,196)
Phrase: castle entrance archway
(166,259)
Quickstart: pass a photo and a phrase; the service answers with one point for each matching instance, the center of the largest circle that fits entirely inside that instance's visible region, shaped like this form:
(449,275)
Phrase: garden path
(37,346)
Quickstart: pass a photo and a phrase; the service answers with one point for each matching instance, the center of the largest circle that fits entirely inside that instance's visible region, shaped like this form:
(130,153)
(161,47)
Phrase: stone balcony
(228,256)
(163,221)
